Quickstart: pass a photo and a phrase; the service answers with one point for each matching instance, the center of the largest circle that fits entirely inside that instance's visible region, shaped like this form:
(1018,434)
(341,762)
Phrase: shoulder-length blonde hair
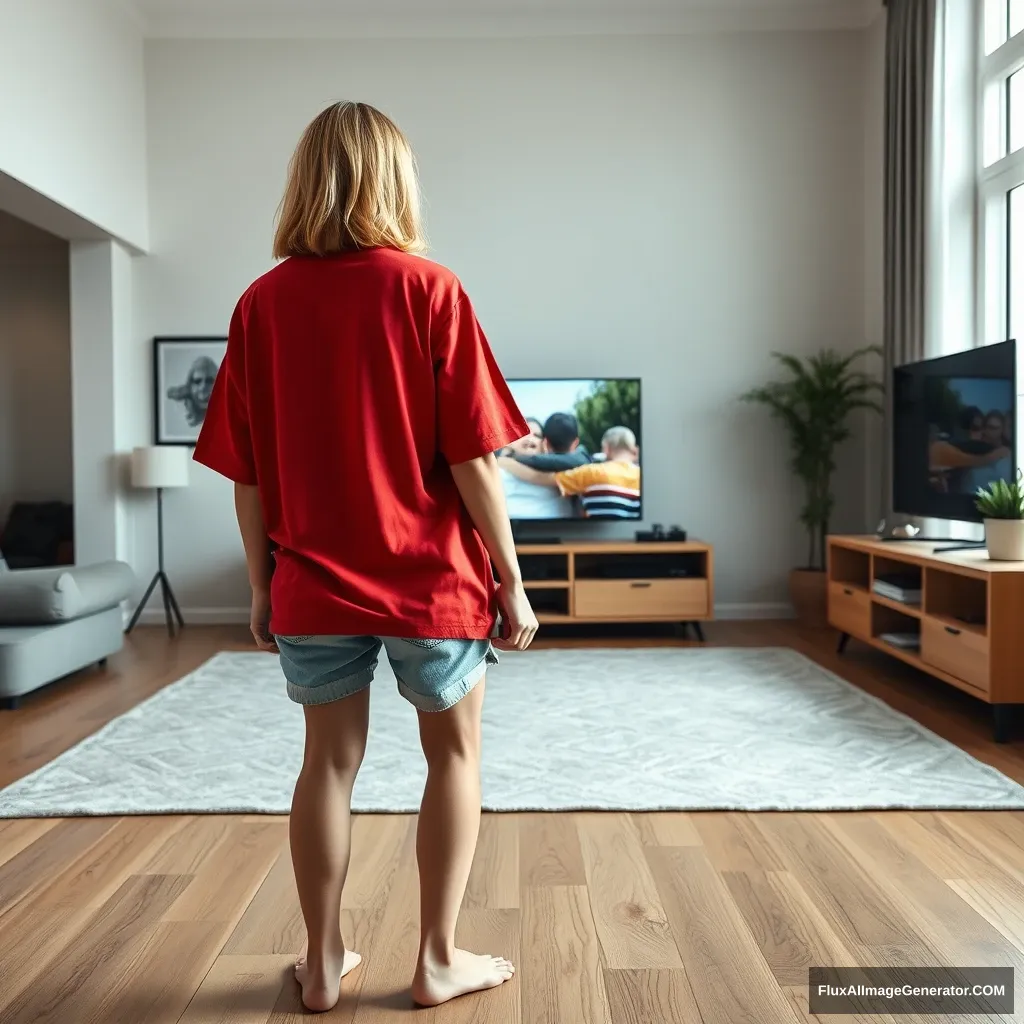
(351,185)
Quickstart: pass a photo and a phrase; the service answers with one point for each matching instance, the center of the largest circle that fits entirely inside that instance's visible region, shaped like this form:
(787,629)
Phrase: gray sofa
(57,621)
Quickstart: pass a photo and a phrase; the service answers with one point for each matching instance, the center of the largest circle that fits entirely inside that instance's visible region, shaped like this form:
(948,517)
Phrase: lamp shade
(160,466)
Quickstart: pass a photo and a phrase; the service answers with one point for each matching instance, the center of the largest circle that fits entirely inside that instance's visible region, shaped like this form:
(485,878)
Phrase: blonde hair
(351,185)
(619,439)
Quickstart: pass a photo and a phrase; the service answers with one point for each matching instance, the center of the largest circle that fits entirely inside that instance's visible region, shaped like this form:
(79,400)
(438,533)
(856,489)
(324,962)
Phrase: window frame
(995,181)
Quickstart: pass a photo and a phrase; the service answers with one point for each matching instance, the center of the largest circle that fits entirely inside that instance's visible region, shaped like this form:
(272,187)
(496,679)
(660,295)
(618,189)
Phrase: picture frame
(184,370)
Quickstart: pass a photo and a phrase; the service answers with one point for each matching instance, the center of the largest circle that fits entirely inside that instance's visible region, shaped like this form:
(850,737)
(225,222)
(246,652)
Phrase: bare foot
(321,987)
(468,972)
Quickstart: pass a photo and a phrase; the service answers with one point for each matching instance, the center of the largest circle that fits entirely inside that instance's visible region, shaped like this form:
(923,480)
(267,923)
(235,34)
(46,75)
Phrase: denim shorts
(432,674)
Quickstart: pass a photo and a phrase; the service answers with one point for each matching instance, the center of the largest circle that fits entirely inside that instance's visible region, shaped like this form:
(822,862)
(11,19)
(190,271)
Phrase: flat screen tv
(954,430)
(581,459)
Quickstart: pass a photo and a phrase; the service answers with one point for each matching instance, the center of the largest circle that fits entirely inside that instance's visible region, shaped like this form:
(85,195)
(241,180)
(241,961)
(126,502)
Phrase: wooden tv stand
(595,582)
(970,620)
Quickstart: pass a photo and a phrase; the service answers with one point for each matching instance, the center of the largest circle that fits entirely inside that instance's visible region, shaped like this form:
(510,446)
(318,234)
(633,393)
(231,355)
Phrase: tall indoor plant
(815,403)
(1002,507)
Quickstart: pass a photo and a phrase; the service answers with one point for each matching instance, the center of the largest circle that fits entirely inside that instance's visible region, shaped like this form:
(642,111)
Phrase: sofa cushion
(40,596)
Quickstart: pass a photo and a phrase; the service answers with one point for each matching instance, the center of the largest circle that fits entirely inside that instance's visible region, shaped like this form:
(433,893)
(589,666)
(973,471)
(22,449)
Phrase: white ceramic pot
(1004,539)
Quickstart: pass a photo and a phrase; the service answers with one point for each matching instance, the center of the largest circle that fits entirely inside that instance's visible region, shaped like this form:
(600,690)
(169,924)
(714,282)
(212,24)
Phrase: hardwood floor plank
(17,833)
(240,990)
(78,982)
(167,968)
(227,880)
(379,842)
(644,997)
(947,852)
(631,922)
(944,922)
(1000,903)
(855,902)
(272,922)
(569,986)
(730,980)
(790,933)
(44,858)
(188,849)
(383,995)
(1000,835)
(549,851)
(733,843)
(494,879)
(55,913)
(797,996)
(667,829)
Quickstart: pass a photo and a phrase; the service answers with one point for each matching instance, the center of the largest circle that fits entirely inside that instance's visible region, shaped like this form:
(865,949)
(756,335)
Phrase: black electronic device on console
(658,533)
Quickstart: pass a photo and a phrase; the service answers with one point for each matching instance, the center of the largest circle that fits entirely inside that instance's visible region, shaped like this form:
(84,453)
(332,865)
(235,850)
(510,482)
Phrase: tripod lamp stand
(155,469)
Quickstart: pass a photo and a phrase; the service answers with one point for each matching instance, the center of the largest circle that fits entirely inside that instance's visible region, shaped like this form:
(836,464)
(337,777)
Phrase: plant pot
(808,593)
(1004,539)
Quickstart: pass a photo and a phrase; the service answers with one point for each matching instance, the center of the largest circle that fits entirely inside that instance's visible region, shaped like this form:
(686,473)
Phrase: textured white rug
(640,729)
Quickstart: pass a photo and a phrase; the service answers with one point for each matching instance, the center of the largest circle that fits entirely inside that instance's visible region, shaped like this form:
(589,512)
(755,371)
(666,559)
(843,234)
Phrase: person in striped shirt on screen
(609,488)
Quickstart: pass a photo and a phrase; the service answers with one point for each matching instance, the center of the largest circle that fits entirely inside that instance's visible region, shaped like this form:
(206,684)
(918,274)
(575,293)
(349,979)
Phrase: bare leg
(445,843)
(321,832)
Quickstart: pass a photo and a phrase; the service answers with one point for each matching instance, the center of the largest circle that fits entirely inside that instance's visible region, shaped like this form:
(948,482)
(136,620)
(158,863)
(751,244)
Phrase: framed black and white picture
(184,370)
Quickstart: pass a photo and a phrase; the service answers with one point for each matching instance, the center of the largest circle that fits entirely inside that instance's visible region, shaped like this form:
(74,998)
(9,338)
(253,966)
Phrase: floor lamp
(155,469)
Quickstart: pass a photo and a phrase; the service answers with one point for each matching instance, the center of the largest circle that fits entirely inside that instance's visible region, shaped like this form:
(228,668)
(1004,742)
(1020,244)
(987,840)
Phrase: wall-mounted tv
(581,459)
(954,430)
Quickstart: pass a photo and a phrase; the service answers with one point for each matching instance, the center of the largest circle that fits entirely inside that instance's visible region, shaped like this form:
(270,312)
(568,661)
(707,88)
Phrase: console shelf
(968,625)
(595,582)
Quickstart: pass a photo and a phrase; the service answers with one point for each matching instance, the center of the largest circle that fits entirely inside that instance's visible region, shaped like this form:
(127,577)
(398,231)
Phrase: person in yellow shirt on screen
(608,488)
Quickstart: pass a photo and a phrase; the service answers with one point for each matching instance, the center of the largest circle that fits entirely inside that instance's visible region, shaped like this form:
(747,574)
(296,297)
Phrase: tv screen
(954,430)
(581,459)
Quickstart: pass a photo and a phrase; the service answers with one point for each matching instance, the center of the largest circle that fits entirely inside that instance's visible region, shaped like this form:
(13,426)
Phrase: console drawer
(849,609)
(640,599)
(962,653)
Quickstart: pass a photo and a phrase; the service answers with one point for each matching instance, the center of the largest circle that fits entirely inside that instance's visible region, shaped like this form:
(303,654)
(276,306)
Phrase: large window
(1001,180)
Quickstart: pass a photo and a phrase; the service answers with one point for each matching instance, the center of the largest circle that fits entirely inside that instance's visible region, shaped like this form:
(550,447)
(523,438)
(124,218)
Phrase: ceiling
(361,18)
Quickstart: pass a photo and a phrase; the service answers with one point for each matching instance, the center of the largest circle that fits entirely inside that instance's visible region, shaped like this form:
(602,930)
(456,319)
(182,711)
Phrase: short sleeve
(575,481)
(476,413)
(225,443)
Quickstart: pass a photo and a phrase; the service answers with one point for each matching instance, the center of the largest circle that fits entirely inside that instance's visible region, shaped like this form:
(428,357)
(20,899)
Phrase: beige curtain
(909,105)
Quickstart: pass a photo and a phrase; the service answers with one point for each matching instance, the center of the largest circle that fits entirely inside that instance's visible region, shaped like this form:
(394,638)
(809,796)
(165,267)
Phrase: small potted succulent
(1002,506)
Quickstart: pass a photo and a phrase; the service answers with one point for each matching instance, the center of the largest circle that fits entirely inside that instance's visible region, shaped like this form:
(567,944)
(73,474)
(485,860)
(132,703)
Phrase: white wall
(673,207)
(35,366)
(72,109)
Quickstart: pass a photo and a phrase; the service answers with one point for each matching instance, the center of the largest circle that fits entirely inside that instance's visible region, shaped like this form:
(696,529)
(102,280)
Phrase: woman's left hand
(259,622)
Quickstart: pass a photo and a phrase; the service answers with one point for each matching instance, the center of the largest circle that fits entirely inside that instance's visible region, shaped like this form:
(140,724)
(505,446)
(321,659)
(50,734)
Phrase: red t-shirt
(351,383)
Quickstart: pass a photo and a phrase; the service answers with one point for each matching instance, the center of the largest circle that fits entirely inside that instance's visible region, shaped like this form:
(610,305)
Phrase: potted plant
(815,403)
(1002,505)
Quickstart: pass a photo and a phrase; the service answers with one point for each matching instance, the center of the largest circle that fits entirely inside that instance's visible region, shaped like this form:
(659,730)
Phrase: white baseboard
(154,615)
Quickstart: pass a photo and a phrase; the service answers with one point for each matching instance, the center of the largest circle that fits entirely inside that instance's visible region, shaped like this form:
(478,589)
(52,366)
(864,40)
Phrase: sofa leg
(10,703)
(102,663)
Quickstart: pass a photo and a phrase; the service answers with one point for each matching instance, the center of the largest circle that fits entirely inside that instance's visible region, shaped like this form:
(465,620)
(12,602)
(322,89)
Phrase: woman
(357,410)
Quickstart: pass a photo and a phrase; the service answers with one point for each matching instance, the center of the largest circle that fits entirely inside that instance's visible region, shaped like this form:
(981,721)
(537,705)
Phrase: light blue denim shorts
(432,674)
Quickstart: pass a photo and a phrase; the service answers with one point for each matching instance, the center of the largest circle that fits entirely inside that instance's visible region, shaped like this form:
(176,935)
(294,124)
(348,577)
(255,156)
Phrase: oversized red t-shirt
(351,384)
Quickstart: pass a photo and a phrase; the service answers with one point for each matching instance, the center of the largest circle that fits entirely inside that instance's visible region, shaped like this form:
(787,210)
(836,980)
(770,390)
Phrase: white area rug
(641,729)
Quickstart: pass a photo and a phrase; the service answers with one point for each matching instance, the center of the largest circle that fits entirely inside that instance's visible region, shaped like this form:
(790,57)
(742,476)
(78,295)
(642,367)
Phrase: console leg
(844,639)
(682,630)
(10,703)
(698,630)
(1003,720)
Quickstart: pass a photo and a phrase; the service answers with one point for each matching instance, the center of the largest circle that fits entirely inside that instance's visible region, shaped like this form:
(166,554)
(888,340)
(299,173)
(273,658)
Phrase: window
(1001,176)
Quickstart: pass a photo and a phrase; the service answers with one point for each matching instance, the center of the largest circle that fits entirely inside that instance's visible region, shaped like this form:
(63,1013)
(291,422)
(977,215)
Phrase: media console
(595,582)
(967,629)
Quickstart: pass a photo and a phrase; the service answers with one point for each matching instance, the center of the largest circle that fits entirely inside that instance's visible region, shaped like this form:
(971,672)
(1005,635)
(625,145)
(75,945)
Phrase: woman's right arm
(479,484)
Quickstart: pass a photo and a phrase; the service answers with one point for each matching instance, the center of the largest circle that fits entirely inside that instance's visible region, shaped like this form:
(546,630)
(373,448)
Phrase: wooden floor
(631,918)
